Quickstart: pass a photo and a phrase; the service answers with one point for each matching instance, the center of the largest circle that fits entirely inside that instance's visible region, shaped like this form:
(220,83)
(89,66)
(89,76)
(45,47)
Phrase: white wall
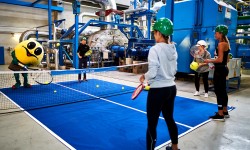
(17,19)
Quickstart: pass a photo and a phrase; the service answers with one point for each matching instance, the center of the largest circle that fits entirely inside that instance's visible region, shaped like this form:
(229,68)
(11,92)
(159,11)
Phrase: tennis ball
(46,82)
(57,44)
(54,91)
(97,86)
(147,88)
(123,88)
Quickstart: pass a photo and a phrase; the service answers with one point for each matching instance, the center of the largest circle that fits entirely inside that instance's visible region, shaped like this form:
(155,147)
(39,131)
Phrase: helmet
(201,43)
(164,25)
(222,29)
(84,38)
(231,56)
(194,66)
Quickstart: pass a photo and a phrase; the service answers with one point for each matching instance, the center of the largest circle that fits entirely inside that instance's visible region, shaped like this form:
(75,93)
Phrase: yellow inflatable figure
(25,54)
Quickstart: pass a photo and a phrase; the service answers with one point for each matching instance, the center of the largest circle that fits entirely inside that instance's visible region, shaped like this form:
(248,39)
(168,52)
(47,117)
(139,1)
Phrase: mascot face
(29,52)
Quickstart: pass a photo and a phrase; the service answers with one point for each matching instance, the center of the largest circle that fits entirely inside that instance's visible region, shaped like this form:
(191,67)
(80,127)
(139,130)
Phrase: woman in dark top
(221,72)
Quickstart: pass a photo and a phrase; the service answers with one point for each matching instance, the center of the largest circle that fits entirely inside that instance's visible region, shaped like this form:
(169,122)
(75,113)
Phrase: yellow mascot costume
(25,54)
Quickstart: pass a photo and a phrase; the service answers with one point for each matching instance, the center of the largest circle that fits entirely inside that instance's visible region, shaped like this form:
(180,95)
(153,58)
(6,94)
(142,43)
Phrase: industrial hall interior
(124,74)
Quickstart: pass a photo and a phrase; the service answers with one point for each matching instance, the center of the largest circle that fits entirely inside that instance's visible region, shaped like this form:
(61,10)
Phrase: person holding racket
(82,49)
(221,72)
(26,53)
(162,67)
(201,44)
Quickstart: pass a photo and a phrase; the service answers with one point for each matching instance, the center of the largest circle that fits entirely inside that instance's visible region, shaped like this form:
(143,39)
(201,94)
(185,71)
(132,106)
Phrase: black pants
(204,78)
(161,100)
(82,64)
(220,74)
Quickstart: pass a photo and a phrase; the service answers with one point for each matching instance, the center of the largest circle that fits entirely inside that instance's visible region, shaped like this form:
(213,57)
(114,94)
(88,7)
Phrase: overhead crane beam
(32,4)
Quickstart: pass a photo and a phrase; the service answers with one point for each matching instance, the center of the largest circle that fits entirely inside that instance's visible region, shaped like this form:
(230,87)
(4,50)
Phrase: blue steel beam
(29,4)
(34,3)
(98,22)
(50,19)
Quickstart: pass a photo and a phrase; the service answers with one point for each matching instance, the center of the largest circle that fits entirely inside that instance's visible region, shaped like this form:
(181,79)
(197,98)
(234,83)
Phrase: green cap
(164,25)
(222,29)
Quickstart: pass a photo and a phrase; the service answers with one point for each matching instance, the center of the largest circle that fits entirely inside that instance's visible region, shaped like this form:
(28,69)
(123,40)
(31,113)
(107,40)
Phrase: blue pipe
(49,20)
(37,35)
(149,26)
(67,55)
(60,55)
(149,21)
(75,58)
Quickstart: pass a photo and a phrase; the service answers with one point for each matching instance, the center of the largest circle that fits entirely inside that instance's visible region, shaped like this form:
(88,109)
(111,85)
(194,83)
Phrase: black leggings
(82,64)
(220,74)
(161,100)
(204,78)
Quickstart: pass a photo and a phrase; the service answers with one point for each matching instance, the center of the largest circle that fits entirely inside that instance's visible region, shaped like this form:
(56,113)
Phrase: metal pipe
(243,3)
(85,14)
(131,11)
(134,10)
(76,41)
(105,4)
(243,32)
(50,18)
(55,51)
(54,31)
(25,35)
(56,59)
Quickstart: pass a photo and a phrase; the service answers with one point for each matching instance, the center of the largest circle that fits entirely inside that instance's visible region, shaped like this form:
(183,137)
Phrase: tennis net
(59,87)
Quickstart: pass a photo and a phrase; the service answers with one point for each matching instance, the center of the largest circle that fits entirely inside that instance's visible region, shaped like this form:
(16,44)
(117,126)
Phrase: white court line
(163,144)
(190,130)
(117,103)
(42,125)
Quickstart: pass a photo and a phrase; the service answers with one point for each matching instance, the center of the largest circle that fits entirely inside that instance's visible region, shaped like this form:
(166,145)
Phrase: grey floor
(20,132)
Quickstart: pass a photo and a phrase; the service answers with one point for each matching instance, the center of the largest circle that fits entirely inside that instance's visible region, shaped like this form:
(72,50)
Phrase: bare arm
(223,46)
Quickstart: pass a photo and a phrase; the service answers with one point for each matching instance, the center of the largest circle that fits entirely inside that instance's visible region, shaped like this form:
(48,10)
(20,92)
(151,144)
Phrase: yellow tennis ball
(46,82)
(147,88)
(97,86)
(57,44)
(123,88)
(54,91)
(194,66)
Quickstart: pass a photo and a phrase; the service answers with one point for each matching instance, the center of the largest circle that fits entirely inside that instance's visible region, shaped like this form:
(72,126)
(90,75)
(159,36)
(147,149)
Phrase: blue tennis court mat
(114,122)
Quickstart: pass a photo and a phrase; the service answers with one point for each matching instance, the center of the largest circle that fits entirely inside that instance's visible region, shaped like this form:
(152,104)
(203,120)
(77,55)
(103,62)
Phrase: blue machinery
(193,20)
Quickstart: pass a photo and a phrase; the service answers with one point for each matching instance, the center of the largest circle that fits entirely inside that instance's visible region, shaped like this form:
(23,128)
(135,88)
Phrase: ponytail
(225,39)
(166,38)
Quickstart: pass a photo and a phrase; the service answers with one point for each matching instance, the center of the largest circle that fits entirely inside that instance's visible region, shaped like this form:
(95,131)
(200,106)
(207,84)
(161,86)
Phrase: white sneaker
(206,95)
(196,93)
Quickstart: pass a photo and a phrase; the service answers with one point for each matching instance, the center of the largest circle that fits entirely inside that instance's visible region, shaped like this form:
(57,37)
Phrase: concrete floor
(20,132)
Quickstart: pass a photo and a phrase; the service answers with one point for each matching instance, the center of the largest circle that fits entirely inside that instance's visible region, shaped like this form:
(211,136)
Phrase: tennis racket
(202,69)
(42,77)
(205,68)
(194,51)
(137,91)
(88,53)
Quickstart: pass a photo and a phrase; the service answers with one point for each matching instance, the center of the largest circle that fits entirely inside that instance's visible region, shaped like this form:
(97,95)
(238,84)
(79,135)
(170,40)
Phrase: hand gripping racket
(88,53)
(41,77)
(137,91)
